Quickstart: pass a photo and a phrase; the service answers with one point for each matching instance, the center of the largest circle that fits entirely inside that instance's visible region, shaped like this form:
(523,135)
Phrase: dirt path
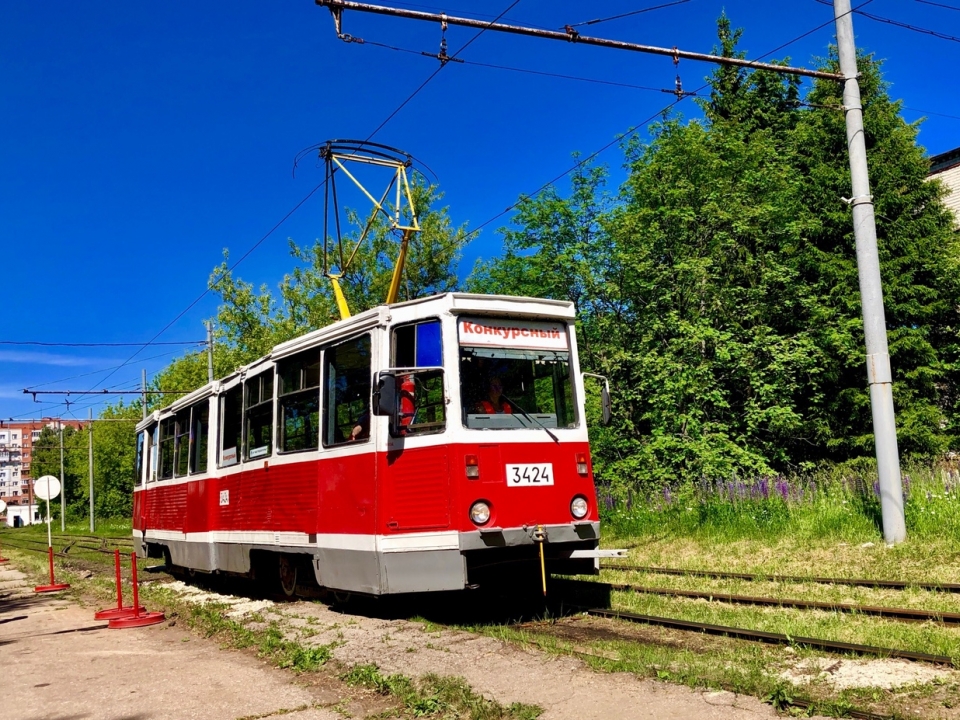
(66,666)
(60,664)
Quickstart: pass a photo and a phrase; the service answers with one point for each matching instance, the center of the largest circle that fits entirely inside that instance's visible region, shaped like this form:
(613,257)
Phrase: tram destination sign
(520,334)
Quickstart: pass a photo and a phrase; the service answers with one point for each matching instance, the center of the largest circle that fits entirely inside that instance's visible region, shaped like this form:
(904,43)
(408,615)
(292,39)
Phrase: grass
(823,525)
(435,695)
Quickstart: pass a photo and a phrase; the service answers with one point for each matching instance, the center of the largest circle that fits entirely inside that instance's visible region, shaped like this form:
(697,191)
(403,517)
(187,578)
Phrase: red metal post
(116,565)
(136,592)
(50,554)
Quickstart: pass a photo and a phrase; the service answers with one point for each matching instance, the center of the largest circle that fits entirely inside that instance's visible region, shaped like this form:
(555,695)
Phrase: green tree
(719,289)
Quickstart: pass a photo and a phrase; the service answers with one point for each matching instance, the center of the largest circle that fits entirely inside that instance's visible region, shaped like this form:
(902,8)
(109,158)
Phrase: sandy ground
(60,664)
(563,686)
(66,666)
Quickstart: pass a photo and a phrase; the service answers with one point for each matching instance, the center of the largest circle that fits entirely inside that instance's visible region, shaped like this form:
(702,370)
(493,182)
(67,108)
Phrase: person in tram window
(361,431)
(494,403)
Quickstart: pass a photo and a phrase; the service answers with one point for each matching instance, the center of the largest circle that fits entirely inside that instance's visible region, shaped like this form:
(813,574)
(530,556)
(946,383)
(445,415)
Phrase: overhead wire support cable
(338,6)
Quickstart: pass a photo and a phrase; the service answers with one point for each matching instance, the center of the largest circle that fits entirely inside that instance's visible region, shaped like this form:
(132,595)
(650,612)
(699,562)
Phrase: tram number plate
(533,474)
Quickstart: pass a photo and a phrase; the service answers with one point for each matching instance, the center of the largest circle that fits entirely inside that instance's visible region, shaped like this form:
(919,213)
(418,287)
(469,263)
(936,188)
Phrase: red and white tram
(379,455)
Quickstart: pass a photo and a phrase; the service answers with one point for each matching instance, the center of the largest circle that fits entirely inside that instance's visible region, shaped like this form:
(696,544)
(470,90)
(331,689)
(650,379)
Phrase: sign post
(47,488)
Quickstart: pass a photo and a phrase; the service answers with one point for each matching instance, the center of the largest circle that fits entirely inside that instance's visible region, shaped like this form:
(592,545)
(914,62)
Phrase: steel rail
(338,6)
(903,614)
(855,582)
(772,638)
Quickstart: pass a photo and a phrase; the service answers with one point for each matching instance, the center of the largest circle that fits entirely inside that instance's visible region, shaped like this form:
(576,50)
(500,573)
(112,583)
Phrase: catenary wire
(940,5)
(898,23)
(627,14)
(97,372)
(96,344)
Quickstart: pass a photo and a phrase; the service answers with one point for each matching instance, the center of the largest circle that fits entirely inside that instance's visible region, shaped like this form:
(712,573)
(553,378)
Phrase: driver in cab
(494,403)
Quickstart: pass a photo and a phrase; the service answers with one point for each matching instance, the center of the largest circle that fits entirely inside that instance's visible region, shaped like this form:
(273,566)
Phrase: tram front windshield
(515,374)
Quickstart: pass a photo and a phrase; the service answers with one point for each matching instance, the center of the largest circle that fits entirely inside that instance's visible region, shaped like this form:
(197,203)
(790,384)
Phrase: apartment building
(946,168)
(16,451)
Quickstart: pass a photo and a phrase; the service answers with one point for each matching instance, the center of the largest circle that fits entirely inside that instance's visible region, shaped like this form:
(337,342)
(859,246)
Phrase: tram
(429,445)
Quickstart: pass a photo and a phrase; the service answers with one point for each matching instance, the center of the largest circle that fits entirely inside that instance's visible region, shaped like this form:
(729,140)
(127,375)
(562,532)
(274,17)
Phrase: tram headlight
(579,507)
(480,512)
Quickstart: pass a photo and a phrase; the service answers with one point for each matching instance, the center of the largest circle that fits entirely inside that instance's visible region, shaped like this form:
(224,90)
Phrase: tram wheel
(288,576)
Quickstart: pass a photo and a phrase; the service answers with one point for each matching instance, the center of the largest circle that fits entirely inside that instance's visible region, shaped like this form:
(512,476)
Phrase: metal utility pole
(90,463)
(879,375)
(63,487)
(209,351)
(143,394)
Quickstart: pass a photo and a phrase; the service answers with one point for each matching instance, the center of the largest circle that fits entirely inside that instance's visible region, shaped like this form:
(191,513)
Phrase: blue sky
(141,139)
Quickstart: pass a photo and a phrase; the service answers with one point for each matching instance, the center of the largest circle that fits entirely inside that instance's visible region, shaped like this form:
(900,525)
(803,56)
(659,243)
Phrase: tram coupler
(540,538)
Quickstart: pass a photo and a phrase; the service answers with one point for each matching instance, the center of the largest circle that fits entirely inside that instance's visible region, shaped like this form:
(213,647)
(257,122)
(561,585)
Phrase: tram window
(152,437)
(199,432)
(167,443)
(298,416)
(182,444)
(138,480)
(422,402)
(346,403)
(231,415)
(259,416)
(418,345)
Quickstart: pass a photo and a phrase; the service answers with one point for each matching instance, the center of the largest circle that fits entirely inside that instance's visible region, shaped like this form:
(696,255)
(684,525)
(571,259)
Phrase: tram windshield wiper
(528,416)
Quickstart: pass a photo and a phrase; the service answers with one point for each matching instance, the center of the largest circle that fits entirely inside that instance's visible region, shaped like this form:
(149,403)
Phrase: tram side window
(259,415)
(182,444)
(152,439)
(346,402)
(231,416)
(298,416)
(199,436)
(422,401)
(138,480)
(167,443)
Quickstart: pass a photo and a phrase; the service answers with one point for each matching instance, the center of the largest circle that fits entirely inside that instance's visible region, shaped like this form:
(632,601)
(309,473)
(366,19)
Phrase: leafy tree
(719,289)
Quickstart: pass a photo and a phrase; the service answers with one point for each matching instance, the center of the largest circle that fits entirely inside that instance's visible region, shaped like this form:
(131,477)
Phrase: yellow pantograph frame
(400,184)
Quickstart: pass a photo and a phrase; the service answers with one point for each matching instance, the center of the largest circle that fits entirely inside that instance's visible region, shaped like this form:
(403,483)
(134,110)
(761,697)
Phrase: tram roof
(455,303)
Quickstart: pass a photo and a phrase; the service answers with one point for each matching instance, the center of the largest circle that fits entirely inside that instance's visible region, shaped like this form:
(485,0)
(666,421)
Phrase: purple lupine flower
(876,488)
(666,494)
(630,499)
(609,501)
(765,488)
(783,488)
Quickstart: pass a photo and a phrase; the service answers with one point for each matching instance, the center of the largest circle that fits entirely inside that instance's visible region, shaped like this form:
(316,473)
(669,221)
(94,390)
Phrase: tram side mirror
(385,396)
(606,407)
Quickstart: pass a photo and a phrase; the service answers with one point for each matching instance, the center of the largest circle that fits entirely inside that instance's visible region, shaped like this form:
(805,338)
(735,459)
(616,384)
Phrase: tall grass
(839,503)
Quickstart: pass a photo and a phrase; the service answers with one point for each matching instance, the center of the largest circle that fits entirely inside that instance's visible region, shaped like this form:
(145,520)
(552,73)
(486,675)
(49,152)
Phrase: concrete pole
(879,375)
(209,351)
(63,486)
(90,463)
(143,394)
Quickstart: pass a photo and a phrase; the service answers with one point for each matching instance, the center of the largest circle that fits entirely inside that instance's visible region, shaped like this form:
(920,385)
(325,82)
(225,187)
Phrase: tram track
(570,589)
(890,613)
(755,577)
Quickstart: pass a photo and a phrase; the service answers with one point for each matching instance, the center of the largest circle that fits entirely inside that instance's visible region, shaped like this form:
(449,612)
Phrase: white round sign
(46,488)
(3,506)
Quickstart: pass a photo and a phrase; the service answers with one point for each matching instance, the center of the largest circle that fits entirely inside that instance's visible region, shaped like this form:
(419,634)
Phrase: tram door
(417,474)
